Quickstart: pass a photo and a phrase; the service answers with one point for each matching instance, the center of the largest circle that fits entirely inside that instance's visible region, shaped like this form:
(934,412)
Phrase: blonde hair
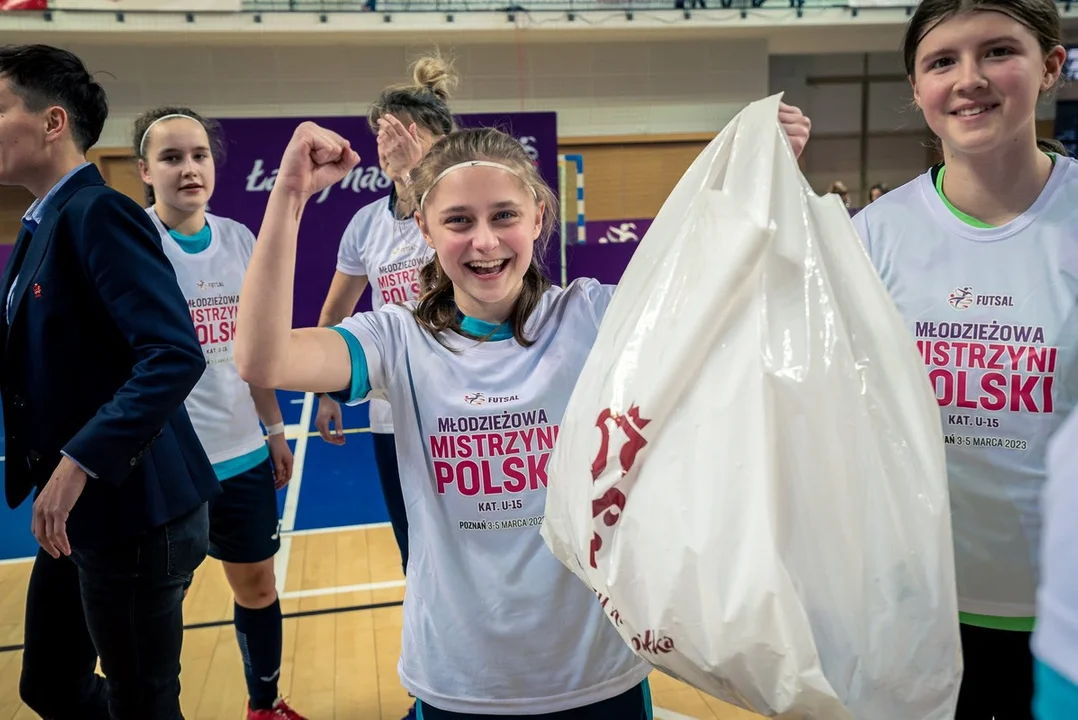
(437,310)
(425,100)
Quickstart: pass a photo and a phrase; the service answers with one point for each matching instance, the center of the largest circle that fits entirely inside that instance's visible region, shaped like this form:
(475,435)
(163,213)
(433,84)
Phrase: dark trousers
(634,704)
(385,458)
(998,679)
(122,603)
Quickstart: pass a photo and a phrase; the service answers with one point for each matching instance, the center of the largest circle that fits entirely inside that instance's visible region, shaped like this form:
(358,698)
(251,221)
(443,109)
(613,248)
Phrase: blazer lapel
(14,261)
(35,254)
(39,243)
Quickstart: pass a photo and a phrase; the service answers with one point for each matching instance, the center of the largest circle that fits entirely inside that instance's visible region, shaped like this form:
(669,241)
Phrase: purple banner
(253,151)
(609,247)
(616,232)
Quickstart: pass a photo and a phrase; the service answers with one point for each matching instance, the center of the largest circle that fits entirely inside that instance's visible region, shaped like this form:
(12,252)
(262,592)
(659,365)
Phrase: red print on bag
(635,443)
(631,425)
(37,290)
(652,643)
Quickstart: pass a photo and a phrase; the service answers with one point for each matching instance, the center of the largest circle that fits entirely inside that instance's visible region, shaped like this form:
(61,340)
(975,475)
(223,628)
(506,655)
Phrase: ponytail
(1051,145)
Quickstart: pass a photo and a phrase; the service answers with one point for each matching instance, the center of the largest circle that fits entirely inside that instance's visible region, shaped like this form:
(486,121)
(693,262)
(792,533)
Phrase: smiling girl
(478,372)
(176,148)
(981,257)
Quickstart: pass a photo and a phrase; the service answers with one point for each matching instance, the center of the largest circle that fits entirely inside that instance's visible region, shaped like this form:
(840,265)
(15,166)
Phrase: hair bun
(436,74)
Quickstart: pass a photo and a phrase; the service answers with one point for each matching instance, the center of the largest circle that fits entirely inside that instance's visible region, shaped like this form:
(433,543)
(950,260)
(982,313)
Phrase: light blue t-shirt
(994,311)
(475,424)
(195,245)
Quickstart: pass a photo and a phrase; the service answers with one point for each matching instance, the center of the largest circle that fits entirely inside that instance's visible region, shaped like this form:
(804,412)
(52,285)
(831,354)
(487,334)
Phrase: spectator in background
(839,188)
(877,191)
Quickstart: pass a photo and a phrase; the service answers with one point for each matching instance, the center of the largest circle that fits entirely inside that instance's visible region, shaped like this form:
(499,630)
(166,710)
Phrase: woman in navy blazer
(97,354)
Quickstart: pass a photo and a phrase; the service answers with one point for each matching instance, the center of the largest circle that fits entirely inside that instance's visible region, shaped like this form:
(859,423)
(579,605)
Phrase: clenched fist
(797,127)
(314,159)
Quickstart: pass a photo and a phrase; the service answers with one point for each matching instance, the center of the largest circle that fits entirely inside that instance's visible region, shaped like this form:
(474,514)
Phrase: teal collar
(482,329)
(192,244)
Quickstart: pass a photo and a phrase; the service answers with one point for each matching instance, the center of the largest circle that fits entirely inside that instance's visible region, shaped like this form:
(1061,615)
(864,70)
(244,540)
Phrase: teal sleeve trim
(243,463)
(1055,697)
(361,384)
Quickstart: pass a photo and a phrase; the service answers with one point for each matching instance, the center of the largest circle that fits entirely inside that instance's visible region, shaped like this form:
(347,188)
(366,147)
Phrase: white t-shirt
(390,252)
(220,405)
(493,622)
(995,316)
(1056,639)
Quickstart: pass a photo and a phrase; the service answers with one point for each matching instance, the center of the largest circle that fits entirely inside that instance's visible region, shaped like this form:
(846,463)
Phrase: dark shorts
(244,527)
(634,704)
(998,678)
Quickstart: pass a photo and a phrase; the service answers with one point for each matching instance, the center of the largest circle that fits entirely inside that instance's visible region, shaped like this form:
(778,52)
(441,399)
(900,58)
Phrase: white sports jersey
(390,252)
(493,622)
(220,405)
(995,315)
(1056,638)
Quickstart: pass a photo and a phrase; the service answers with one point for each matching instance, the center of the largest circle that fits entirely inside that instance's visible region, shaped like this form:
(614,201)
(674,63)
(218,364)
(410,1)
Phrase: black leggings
(998,678)
(633,704)
(385,458)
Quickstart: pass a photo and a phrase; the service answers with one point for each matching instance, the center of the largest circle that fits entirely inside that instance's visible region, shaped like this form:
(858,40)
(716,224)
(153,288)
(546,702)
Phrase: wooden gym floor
(341,587)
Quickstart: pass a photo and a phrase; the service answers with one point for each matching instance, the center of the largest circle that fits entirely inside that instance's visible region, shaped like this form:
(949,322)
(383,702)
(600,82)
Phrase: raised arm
(344,292)
(268,352)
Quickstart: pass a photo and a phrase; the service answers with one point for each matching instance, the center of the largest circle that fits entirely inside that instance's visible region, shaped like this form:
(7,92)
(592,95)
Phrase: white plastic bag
(750,473)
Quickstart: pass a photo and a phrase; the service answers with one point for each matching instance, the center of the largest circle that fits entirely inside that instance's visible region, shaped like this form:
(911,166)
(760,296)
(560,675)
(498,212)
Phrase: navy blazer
(97,361)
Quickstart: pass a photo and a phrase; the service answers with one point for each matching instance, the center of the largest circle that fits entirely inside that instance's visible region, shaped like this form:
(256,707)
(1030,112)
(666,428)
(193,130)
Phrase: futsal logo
(478,398)
(405,249)
(961,298)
